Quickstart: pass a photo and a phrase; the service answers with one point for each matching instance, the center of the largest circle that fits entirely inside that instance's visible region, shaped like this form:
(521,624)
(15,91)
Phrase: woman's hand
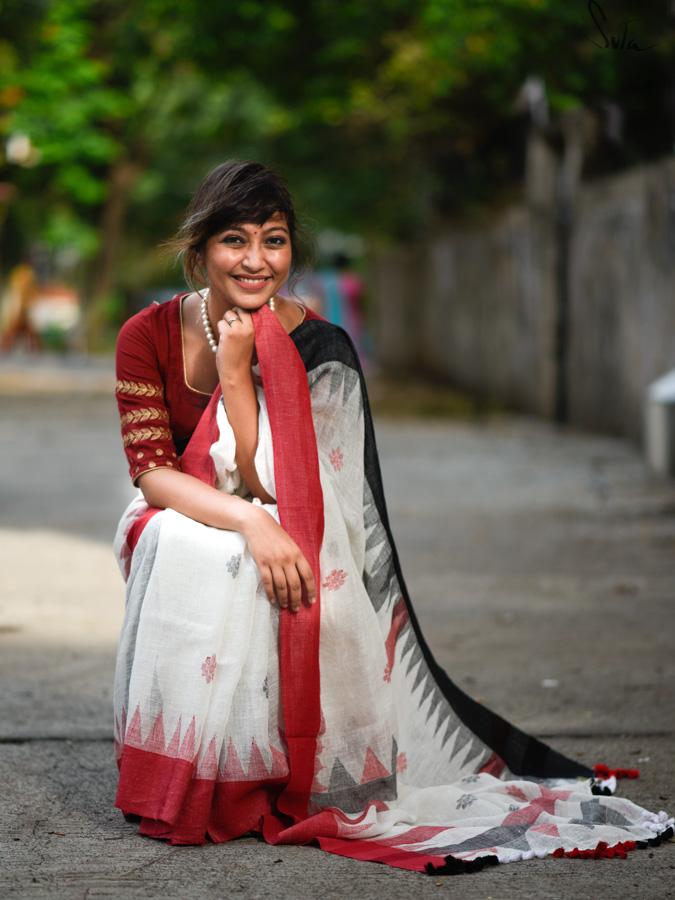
(235,345)
(283,567)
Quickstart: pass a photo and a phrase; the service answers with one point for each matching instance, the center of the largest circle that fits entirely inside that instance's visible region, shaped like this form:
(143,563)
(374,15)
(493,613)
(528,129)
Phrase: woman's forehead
(276,220)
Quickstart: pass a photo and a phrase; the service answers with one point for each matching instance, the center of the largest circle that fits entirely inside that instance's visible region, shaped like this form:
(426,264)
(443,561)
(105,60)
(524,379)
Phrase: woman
(271,674)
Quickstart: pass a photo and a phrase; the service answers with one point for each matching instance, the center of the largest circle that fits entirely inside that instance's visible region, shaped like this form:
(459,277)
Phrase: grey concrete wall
(476,305)
(487,322)
(398,300)
(622,293)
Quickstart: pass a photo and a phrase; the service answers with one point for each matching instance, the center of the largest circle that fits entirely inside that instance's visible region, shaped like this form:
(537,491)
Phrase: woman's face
(246,264)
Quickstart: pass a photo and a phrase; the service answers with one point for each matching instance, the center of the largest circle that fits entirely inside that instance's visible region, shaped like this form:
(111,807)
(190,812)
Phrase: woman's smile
(251,283)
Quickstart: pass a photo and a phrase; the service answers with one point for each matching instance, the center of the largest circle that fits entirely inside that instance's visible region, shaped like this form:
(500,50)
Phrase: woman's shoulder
(146,337)
(150,320)
(322,341)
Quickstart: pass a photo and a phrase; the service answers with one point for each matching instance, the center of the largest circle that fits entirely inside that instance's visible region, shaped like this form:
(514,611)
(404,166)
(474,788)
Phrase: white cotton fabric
(198,650)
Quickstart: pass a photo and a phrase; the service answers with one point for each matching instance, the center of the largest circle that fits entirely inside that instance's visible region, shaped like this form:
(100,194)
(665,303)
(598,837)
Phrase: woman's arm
(241,405)
(283,568)
(166,488)
(233,361)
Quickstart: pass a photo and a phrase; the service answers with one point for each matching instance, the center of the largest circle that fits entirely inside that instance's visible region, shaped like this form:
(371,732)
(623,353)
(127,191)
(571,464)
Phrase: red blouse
(158,409)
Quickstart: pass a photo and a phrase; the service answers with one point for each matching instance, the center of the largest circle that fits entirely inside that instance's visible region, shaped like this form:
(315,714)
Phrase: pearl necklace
(210,337)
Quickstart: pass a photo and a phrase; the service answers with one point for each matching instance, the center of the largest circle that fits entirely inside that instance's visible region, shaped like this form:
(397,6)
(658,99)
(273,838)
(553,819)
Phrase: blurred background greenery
(385,118)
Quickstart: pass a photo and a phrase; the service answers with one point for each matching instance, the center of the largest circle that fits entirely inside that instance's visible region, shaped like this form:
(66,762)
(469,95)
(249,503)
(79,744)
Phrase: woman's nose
(253,257)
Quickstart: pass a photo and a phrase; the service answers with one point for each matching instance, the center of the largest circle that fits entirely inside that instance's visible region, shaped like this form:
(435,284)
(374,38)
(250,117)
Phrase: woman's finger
(294,587)
(268,583)
(280,586)
(305,571)
(245,318)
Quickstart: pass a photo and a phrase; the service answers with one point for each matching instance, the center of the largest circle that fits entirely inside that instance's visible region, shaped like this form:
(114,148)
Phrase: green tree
(382,116)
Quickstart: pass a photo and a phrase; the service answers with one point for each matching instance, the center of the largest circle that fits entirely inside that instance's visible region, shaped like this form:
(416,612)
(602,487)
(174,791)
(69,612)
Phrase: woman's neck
(287,312)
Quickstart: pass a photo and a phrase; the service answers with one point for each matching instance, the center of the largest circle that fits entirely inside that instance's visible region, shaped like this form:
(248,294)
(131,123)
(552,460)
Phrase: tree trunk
(122,177)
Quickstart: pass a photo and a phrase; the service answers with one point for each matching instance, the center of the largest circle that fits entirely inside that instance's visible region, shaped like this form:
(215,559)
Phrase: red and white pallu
(334,724)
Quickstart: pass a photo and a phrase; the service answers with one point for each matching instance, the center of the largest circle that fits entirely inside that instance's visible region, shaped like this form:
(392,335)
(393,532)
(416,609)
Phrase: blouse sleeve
(144,417)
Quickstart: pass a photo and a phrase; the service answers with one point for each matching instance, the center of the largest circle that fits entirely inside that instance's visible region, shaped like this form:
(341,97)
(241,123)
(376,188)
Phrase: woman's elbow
(154,484)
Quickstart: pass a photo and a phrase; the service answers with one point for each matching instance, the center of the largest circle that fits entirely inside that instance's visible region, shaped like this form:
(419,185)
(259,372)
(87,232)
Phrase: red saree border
(300,503)
(373,851)
(181,809)
(174,806)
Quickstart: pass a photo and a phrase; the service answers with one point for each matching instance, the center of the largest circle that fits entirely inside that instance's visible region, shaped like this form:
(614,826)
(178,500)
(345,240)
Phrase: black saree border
(319,341)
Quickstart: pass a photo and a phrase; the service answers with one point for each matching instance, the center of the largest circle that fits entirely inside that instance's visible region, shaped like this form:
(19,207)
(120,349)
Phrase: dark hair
(235,192)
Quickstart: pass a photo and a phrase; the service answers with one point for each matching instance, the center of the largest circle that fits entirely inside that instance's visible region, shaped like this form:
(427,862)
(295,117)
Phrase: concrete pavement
(542,566)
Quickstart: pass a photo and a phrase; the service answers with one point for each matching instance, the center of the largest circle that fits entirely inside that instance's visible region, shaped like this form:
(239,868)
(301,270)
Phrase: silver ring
(230,321)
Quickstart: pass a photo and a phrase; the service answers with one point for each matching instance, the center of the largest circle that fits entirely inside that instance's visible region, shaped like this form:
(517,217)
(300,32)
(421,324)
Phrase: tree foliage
(380,115)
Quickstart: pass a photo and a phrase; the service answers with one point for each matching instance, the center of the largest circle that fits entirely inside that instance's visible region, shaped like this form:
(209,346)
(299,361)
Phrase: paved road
(534,556)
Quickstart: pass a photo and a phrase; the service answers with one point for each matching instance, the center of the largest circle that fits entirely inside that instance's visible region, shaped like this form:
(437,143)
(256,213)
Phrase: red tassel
(601,851)
(603,771)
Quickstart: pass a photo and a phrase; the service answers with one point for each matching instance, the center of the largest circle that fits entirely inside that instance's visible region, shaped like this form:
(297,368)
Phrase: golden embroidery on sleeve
(151,433)
(144,414)
(138,389)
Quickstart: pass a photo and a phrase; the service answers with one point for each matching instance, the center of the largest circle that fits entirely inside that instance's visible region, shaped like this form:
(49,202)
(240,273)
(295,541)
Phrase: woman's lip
(252,287)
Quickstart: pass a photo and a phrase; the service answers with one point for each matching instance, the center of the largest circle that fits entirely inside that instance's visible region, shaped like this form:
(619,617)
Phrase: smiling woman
(271,673)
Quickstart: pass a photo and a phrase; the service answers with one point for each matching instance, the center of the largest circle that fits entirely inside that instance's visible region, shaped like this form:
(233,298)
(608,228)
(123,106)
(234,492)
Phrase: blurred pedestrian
(15,322)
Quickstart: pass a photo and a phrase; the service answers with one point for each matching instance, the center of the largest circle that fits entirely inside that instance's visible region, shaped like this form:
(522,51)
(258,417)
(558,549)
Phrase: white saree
(406,769)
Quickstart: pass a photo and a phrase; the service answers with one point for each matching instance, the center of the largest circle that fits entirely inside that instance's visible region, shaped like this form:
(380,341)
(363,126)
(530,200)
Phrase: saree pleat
(333,725)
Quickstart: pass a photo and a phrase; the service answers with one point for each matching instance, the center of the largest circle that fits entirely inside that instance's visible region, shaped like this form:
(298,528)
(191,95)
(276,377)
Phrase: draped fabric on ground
(335,724)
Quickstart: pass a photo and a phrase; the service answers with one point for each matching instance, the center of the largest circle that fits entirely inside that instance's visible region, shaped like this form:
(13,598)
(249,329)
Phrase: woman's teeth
(251,280)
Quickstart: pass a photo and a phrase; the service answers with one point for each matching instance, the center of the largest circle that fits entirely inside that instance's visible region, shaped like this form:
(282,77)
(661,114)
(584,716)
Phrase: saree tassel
(603,771)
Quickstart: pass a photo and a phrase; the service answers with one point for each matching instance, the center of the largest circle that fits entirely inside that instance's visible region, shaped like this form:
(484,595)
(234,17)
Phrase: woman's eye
(235,238)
